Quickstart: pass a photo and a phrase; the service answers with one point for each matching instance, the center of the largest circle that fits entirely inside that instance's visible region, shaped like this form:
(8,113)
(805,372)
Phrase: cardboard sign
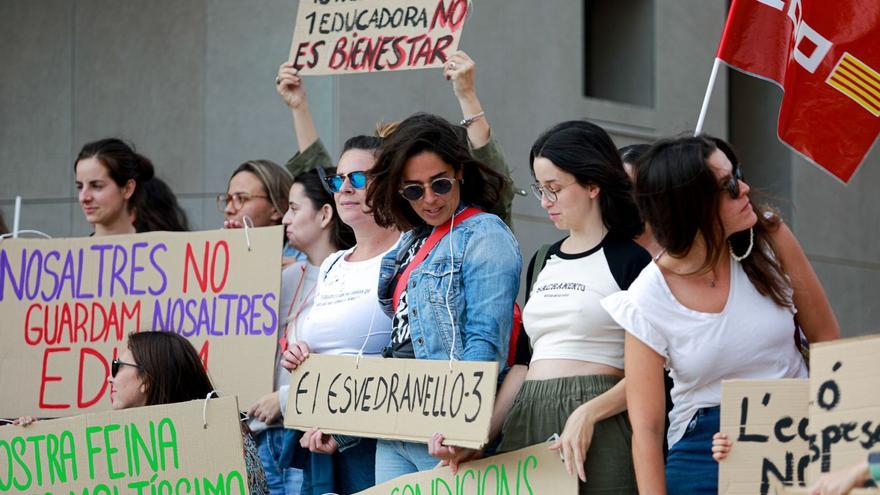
(68,304)
(779,489)
(767,422)
(534,469)
(158,449)
(841,401)
(401,399)
(333,37)
(844,402)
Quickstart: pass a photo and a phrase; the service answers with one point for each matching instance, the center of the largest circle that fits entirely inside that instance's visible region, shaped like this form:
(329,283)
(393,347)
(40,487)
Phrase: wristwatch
(874,466)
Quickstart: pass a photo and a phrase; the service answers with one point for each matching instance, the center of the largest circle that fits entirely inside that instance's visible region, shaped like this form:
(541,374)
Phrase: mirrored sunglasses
(358,180)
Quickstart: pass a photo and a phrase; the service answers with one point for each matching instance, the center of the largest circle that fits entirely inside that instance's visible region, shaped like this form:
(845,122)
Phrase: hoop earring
(748,251)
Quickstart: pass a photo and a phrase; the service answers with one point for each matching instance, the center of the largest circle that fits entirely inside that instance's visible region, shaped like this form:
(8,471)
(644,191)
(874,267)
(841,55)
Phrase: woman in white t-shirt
(313,227)
(721,301)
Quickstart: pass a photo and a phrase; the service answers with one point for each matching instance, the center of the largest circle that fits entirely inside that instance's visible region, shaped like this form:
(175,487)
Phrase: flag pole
(702,119)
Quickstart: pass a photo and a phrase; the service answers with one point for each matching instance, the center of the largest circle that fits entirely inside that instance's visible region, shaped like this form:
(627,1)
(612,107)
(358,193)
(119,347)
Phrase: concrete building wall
(190,83)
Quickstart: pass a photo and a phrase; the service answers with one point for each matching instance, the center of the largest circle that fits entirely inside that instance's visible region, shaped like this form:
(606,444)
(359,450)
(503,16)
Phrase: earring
(748,251)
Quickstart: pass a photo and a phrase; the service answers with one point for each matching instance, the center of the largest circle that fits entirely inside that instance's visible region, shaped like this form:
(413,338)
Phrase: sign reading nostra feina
(68,305)
(140,451)
(333,37)
(400,399)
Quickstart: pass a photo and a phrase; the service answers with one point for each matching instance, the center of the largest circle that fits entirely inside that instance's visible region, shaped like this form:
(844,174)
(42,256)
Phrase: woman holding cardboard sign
(450,285)
(723,300)
(164,368)
(574,381)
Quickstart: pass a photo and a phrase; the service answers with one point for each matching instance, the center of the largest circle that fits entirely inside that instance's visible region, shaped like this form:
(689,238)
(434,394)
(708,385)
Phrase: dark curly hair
(480,186)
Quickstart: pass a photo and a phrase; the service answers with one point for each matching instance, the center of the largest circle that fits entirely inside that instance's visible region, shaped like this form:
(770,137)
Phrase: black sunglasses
(440,186)
(115,364)
(731,184)
(358,180)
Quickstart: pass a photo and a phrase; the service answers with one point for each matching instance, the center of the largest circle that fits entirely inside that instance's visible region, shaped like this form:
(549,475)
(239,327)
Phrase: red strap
(439,233)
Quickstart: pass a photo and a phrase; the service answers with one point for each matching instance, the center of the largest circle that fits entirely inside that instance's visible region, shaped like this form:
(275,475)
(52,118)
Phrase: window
(619,51)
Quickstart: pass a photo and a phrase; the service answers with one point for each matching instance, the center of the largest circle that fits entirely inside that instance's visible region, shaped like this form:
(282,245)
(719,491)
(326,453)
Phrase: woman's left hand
(267,409)
(460,69)
(575,440)
(318,442)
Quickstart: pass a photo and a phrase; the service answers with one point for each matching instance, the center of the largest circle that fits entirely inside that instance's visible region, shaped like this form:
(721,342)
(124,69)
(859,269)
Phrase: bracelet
(467,121)
(874,465)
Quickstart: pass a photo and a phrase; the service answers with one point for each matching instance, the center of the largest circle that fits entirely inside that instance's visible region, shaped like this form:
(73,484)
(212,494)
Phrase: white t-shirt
(563,317)
(751,338)
(346,311)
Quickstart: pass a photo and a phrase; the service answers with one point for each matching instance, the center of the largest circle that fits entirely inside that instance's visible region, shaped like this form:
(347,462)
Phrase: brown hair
(169,367)
(276,181)
(678,195)
(481,186)
(3,228)
(123,164)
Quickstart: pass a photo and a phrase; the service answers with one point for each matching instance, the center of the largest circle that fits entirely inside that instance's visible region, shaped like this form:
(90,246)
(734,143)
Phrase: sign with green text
(140,451)
(528,471)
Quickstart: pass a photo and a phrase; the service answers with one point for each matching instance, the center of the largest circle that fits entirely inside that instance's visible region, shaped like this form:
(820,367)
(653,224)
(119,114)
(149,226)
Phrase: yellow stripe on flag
(858,81)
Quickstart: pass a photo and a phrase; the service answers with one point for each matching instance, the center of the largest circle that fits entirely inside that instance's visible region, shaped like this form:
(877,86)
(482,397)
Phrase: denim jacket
(485,282)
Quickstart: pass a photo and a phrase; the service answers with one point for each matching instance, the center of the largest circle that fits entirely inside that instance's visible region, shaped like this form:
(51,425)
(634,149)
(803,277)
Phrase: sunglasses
(439,186)
(358,180)
(115,364)
(731,184)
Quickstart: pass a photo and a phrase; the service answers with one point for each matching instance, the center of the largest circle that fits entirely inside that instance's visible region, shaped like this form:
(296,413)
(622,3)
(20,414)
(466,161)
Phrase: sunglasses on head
(731,184)
(440,186)
(358,180)
(115,364)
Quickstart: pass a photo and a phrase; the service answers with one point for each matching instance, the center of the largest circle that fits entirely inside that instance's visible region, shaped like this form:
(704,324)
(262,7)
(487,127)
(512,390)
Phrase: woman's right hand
(449,455)
(720,446)
(295,355)
(290,86)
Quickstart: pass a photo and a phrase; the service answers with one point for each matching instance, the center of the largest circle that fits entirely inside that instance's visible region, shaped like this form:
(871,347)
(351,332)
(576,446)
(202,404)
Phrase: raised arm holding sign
(375,35)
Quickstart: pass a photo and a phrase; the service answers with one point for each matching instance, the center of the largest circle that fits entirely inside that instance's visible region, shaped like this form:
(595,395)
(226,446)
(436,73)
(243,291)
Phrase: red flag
(826,57)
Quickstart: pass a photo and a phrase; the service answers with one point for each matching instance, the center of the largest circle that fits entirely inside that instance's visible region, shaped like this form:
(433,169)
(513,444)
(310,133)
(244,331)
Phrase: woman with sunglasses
(459,68)
(164,368)
(726,298)
(313,227)
(457,303)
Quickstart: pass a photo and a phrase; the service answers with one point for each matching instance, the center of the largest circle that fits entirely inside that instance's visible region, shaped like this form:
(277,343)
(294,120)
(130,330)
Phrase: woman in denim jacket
(458,302)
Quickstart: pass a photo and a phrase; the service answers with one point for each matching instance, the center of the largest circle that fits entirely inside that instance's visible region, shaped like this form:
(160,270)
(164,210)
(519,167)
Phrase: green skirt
(541,409)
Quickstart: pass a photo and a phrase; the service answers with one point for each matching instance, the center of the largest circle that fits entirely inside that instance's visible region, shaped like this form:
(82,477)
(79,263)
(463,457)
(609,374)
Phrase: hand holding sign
(289,86)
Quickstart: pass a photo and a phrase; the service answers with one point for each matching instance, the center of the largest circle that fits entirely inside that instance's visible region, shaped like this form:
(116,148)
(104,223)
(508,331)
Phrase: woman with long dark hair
(568,376)
(313,227)
(425,180)
(724,299)
(110,182)
(164,368)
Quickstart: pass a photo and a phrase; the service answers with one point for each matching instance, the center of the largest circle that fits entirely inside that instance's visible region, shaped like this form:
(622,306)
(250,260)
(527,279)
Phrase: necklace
(712,279)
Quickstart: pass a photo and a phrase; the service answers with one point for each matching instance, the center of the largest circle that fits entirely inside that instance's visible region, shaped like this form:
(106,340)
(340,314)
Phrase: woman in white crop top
(721,301)
(572,384)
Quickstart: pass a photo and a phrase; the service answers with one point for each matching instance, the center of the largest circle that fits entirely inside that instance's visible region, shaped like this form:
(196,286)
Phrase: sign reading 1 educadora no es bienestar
(333,37)
(68,305)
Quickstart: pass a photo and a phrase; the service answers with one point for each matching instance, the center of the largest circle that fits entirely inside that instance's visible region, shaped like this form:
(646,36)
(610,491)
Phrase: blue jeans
(272,444)
(395,458)
(344,472)
(690,468)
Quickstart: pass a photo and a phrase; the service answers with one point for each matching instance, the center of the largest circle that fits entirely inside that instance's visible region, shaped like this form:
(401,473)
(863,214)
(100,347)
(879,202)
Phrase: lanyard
(438,233)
